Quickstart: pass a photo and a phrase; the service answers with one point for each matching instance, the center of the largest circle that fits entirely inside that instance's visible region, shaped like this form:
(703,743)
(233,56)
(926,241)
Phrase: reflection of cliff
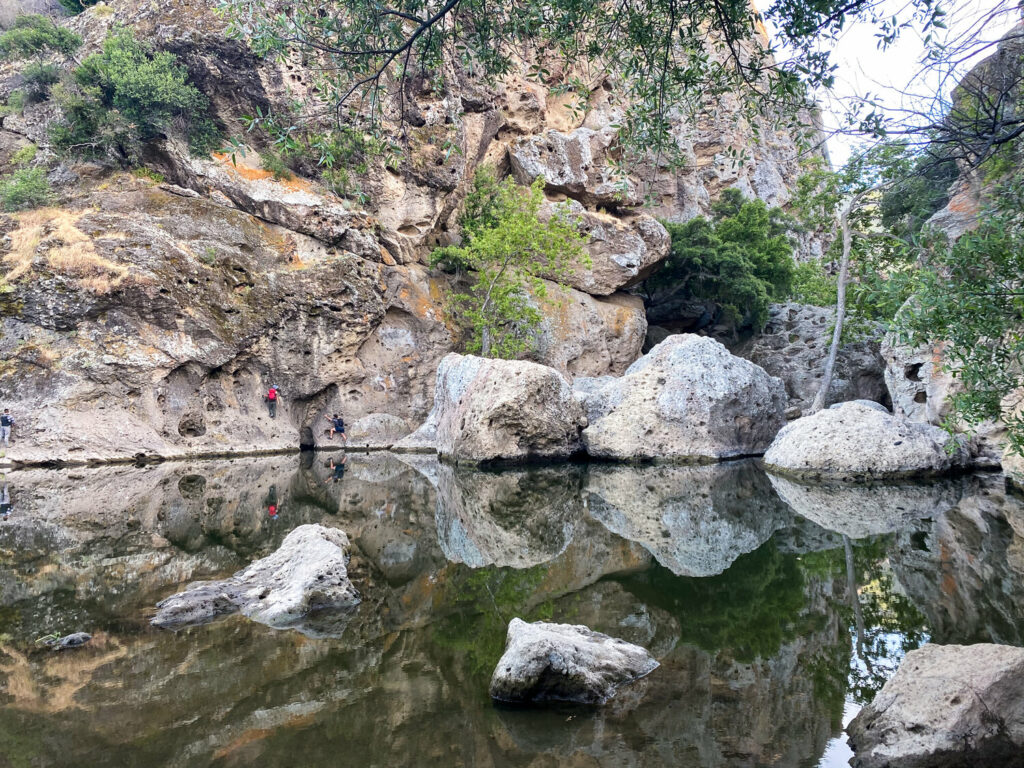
(965,569)
(695,520)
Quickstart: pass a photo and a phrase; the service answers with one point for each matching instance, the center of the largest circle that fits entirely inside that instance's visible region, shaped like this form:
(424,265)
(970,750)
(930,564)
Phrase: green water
(771,608)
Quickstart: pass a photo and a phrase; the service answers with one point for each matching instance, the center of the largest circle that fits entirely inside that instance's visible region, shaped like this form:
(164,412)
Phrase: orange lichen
(248,172)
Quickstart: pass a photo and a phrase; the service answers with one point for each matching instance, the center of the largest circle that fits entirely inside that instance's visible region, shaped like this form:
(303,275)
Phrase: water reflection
(766,623)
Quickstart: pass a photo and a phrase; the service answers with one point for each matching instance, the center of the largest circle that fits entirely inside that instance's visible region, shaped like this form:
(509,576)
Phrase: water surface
(775,610)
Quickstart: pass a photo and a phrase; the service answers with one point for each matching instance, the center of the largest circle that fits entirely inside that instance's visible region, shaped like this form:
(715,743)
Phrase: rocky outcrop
(376,430)
(688,398)
(920,389)
(853,440)
(946,706)
(793,347)
(565,662)
(306,575)
(695,520)
(500,410)
(861,510)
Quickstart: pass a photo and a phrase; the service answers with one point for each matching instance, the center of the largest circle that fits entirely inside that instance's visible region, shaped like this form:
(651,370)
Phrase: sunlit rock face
(859,511)
(947,705)
(695,520)
(515,518)
(687,398)
(965,568)
(858,441)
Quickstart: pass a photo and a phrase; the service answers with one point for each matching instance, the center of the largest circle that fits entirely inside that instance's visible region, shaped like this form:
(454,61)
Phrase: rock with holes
(307,575)
(919,387)
(946,706)
(565,662)
(500,410)
(853,440)
(686,399)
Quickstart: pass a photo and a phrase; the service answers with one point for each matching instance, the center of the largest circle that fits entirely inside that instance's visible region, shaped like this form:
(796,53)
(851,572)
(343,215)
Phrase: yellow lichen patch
(51,236)
(245,170)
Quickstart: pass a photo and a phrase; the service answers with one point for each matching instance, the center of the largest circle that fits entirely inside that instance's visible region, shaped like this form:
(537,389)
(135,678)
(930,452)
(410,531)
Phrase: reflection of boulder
(307,574)
(866,510)
(947,705)
(516,518)
(695,520)
(687,398)
(964,569)
(565,662)
(857,440)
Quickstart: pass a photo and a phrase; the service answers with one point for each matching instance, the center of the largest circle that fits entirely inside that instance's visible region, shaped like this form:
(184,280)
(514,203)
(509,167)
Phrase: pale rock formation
(688,398)
(946,706)
(857,441)
(565,662)
(375,430)
(500,410)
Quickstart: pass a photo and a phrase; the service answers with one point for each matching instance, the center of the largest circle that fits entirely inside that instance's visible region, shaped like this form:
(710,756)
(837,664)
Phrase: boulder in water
(946,706)
(686,399)
(565,662)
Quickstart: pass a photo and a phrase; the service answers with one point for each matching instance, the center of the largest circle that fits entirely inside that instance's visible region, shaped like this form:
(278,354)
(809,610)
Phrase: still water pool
(776,610)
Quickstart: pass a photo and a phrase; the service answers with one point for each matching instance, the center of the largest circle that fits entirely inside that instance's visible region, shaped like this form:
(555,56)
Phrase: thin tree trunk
(858,615)
(837,333)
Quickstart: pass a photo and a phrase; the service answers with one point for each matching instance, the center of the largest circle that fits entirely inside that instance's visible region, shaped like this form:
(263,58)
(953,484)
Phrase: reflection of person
(5,502)
(337,470)
(273,509)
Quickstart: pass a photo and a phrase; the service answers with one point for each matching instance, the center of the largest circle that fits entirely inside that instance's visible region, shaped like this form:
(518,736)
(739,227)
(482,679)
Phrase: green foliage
(24,188)
(127,96)
(75,7)
(25,155)
(814,284)
(148,173)
(506,248)
(34,34)
(37,79)
(970,296)
(272,162)
(16,102)
(742,259)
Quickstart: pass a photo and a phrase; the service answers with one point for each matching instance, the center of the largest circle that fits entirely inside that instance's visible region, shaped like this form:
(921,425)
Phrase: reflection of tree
(883,624)
(750,610)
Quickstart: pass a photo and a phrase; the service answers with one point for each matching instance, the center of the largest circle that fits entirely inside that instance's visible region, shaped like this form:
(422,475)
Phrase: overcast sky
(863,68)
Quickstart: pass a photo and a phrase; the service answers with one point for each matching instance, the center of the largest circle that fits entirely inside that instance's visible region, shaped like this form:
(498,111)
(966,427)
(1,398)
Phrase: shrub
(74,7)
(37,79)
(25,155)
(24,188)
(742,259)
(34,34)
(127,96)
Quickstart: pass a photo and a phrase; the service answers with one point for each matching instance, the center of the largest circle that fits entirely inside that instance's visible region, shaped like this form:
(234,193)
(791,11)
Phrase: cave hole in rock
(913,372)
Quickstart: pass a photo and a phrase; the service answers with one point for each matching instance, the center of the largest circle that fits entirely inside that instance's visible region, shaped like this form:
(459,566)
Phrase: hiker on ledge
(272,400)
(338,425)
(6,422)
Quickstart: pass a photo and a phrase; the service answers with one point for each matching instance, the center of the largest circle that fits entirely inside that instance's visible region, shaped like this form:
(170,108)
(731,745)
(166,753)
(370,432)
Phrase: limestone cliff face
(150,318)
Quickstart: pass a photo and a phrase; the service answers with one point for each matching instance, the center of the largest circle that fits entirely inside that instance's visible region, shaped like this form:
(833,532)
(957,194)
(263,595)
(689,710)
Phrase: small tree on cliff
(506,245)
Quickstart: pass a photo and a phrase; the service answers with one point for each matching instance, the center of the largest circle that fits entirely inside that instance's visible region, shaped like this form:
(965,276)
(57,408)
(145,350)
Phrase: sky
(863,68)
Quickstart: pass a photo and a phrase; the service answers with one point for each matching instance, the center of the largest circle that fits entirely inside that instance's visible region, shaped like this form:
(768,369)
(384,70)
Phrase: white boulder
(565,662)
(687,398)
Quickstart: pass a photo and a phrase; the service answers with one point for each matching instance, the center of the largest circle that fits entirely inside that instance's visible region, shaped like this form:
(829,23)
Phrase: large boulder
(793,346)
(500,410)
(688,398)
(308,573)
(565,662)
(946,706)
(853,440)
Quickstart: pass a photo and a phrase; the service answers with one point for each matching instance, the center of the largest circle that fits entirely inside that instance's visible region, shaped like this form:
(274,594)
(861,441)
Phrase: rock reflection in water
(695,520)
(756,659)
(858,510)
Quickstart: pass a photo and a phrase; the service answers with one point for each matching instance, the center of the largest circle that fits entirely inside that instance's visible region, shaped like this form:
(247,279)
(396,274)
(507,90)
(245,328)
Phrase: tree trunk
(837,333)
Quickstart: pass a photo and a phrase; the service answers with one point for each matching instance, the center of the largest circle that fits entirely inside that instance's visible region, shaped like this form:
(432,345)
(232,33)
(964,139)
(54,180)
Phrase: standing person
(6,422)
(272,401)
(338,425)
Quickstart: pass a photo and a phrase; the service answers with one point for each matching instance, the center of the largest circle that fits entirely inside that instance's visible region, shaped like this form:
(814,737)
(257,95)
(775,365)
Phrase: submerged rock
(861,510)
(853,440)
(565,662)
(306,574)
(500,410)
(946,706)
(695,520)
(688,398)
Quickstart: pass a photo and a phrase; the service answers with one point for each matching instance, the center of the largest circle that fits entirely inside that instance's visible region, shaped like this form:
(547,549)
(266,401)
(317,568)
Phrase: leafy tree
(506,247)
(34,34)
(742,259)
(126,96)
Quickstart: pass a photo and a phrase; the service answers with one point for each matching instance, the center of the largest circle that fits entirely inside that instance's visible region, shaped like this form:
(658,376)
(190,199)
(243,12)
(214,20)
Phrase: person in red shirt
(272,401)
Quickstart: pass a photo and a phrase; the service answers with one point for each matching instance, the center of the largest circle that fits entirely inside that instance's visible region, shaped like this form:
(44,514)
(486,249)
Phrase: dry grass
(51,235)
